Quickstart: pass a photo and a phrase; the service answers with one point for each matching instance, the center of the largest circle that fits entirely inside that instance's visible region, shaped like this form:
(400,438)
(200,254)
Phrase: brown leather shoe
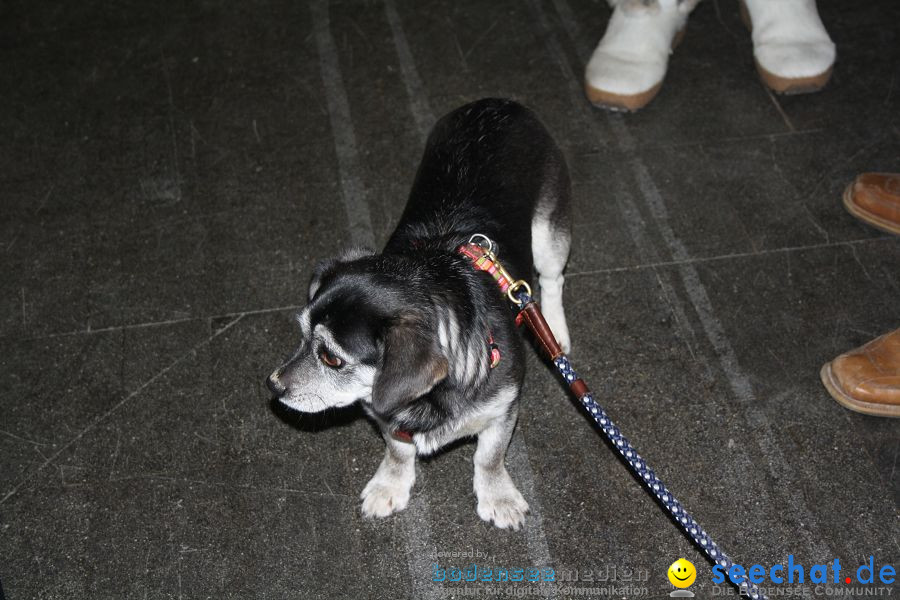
(875,199)
(867,379)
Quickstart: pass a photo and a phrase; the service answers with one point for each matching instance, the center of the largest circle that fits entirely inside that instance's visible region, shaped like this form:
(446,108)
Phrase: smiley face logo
(682,573)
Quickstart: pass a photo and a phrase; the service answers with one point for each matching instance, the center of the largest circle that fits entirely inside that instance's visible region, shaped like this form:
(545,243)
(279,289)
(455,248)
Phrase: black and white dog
(407,332)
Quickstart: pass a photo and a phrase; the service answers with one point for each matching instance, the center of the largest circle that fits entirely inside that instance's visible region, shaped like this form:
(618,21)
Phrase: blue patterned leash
(519,293)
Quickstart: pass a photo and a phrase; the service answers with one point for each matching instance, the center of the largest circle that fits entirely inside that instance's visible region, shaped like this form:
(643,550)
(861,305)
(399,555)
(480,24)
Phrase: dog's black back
(483,170)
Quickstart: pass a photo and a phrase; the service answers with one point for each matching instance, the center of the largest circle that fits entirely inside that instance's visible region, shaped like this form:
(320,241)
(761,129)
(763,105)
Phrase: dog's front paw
(504,511)
(500,503)
(383,496)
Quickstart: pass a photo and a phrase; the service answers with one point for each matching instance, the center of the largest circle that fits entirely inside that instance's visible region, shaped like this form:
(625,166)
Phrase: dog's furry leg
(498,499)
(388,490)
(550,242)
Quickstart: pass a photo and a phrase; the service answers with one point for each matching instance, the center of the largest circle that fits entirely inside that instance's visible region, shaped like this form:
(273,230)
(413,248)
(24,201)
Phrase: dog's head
(364,335)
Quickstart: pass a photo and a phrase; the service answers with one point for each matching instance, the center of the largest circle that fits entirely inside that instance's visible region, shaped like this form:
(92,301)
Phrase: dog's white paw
(384,495)
(552,309)
(557,322)
(504,511)
(500,503)
(565,343)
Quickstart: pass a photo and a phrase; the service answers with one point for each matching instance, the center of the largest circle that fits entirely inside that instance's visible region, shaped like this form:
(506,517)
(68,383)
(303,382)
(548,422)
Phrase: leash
(480,250)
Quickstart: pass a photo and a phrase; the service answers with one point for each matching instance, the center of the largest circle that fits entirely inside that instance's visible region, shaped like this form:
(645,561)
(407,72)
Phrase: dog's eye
(330,360)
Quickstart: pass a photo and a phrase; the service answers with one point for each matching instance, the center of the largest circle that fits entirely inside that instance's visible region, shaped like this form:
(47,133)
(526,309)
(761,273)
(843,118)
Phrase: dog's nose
(275,384)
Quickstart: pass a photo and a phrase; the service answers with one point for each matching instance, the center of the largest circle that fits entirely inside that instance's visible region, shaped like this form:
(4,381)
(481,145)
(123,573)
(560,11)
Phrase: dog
(413,333)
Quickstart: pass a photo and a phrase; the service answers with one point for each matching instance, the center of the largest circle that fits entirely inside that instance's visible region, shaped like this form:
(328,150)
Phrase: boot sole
(627,102)
(788,86)
(847,401)
(865,216)
(618,102)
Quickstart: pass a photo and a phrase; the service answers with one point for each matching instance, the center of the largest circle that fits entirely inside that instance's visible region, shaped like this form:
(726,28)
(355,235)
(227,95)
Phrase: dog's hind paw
(383,496)
(556,319)
(505,508)
(562,338)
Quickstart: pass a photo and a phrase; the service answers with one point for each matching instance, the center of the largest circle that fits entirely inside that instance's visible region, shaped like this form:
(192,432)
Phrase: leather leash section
(534,318)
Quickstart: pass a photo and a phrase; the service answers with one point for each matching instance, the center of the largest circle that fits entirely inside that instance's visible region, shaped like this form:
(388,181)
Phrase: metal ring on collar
(511,291)
(484,238)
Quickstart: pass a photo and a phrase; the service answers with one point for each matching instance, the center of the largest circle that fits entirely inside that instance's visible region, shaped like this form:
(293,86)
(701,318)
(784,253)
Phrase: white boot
(793,52)
(629,64)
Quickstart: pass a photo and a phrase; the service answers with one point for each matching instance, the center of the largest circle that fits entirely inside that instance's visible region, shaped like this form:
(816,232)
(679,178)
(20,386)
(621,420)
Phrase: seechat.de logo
(794,572)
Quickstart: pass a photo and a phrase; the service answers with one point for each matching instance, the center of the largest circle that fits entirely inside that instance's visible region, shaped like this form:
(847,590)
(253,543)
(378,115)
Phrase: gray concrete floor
(171,171)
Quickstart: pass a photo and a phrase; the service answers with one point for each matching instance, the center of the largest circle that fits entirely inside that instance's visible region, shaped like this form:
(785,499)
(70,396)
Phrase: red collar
(483,259)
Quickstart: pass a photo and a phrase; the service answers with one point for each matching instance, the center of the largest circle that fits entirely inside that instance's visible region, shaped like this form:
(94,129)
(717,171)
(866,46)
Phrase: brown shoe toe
(867,379)
(875,199)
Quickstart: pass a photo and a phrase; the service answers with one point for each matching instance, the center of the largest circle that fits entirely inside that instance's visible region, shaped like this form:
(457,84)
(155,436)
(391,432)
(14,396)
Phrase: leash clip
(515,287)
(488,261)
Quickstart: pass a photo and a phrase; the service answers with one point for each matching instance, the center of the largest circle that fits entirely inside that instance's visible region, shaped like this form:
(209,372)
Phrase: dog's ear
(326,265)
(411,366)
